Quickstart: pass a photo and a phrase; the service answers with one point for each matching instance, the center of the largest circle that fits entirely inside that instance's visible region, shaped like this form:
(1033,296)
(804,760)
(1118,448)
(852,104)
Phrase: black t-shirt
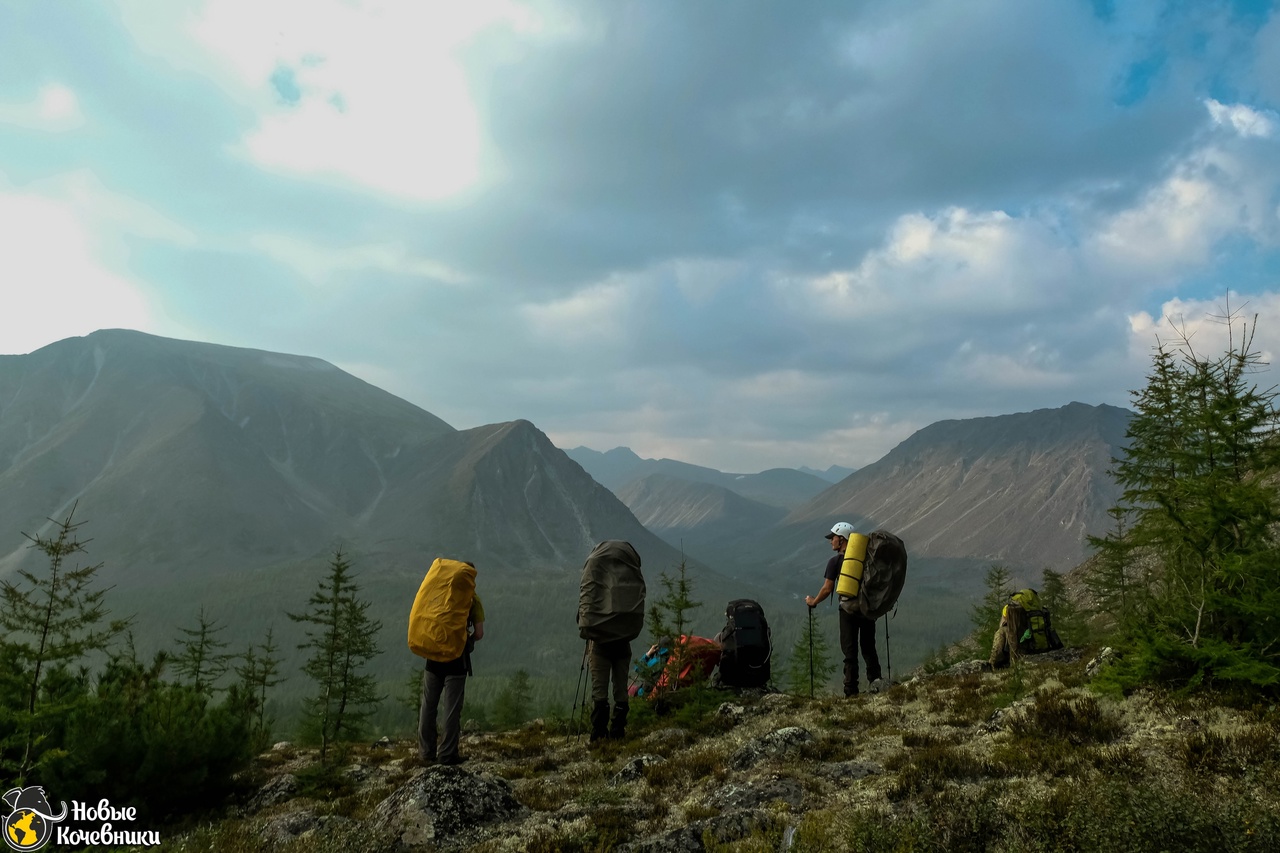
(833,567)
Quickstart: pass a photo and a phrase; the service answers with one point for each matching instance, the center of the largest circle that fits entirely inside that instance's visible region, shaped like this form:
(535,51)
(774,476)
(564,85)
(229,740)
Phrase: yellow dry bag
(438,620)
(855,556)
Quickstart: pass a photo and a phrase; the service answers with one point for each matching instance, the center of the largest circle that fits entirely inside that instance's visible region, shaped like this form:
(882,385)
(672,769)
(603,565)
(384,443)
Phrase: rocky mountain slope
(1023,488)
(1024,759)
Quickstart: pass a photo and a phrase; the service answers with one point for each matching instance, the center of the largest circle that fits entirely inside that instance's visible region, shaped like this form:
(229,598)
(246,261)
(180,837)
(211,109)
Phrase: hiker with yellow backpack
(1025,629)
(445,623)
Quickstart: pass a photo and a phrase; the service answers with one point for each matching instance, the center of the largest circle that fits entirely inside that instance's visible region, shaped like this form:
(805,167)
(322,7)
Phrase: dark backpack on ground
(611,595)
(883,574)
(747,645)
(1039,636)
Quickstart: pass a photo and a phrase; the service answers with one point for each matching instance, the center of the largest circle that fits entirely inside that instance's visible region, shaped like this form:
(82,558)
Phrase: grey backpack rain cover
(883,574)
(611,598)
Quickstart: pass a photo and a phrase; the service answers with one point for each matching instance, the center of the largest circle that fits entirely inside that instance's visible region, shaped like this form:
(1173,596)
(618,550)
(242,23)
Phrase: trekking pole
(888,658)
(577,722)
(810,652)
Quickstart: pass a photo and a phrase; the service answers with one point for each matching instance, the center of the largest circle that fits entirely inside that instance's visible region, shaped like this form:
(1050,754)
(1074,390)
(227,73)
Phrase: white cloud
(595,316)
(962,263)
(111,212)
(1213,193)
(371,93)
(321,265)
(1032,369)
(1203,322)
(54,108)
(55,284)
(1244,120)
(958,263)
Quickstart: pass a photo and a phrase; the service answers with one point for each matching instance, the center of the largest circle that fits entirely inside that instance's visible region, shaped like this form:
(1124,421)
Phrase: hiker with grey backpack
(866,574)
(610,615)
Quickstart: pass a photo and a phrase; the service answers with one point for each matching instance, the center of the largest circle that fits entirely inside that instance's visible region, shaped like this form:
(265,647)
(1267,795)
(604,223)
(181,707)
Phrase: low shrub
(1077,719)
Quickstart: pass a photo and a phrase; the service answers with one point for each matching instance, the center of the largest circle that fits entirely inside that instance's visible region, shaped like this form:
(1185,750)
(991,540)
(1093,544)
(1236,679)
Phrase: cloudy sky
(741,234)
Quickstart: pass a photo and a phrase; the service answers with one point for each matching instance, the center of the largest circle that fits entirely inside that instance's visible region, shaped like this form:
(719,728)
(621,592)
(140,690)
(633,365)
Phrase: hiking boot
(599,720)
(618,725)
(877,685)
(453,760)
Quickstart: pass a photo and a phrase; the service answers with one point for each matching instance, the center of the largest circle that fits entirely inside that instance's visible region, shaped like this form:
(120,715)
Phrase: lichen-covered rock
(1105,658)
(633,770)
(731,712)
(749,795)
(367,775)
(1002,718)
(772,702)
(280,789)
(438,805)
(786,741)
(966,667)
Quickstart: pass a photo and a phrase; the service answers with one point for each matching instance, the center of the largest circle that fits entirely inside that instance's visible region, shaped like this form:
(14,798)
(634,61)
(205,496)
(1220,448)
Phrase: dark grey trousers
(451,688)
(605,667)
(857,633)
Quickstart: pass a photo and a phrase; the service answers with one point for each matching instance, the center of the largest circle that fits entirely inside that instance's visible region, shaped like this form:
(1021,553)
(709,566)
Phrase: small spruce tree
(669,616)
(512,706)
(200,658)
(258,671)
(1063,613)
(811,663)
(985,614)
(342,639)
(1117,591)
(50,621)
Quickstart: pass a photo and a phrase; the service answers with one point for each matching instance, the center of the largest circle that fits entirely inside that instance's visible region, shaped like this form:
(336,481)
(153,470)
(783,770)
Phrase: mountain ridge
(971,485)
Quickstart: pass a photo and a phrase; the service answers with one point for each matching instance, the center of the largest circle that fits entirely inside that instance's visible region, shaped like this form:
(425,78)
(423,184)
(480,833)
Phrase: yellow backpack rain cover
(438,620)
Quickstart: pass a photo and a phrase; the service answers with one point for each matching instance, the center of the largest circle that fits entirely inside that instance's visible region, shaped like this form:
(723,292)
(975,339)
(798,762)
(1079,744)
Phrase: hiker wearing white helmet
(857,632)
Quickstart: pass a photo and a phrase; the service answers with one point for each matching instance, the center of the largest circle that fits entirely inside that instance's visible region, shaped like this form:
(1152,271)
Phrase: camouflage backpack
(1039,636)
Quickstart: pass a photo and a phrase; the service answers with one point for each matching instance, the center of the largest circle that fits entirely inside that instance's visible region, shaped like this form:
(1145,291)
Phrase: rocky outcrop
(441,806)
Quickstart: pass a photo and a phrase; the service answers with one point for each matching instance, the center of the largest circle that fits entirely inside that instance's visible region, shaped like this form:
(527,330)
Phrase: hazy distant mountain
(779,487)
(697,516)
(258,454)
(225,477)
(1024,488)
(833,474)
